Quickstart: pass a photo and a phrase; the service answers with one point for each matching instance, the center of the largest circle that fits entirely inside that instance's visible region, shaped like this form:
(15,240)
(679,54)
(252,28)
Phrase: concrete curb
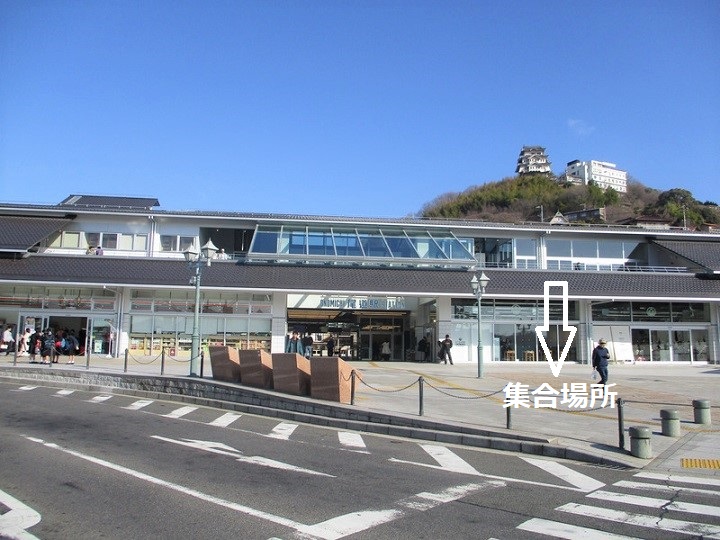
(262,402)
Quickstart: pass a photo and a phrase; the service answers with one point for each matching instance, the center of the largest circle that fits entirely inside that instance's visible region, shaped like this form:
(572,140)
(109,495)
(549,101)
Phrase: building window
(175,243)
(118,241)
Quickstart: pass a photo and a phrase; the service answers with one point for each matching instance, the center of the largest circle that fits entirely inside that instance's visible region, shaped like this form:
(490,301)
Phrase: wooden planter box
(291,373)
(256,368)
(330,379)
(225,364)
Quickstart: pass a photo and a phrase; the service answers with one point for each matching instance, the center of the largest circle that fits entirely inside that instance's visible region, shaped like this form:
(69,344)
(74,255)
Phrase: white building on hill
(604,174)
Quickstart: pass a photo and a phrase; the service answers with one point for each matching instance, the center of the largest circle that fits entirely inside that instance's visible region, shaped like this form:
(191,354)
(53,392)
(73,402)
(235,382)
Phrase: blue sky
(360,108)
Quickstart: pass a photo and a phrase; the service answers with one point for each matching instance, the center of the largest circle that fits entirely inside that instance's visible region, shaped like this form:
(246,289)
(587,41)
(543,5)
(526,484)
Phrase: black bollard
(621,423)
(508,418)
(420,385)
(352,387)
(126,361)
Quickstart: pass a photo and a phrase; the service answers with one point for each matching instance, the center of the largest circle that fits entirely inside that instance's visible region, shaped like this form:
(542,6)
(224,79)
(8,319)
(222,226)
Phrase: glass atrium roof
(369,245)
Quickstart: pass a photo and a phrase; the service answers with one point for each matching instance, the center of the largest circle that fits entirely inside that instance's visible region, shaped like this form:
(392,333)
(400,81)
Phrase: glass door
(681,346)
(102,337)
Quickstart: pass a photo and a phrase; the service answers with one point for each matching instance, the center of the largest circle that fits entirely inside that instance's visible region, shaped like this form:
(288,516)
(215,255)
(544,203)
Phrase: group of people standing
(444,345)
(304,345)
(45,345)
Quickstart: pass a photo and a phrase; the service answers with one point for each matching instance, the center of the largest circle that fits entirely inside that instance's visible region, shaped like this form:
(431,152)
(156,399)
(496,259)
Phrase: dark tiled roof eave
(20,233)
(504,283)
(705,254)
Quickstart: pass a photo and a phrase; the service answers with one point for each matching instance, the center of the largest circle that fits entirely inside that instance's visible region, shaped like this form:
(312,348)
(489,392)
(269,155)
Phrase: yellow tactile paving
(696,463)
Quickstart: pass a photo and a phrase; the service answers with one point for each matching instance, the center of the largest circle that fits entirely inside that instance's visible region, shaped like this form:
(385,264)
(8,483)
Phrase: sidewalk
(454,394)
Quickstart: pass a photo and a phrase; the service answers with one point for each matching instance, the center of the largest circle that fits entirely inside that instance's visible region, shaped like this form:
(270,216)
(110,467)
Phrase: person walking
(445,346)
(600,359)
(24,349)
(330,344)
(8,340)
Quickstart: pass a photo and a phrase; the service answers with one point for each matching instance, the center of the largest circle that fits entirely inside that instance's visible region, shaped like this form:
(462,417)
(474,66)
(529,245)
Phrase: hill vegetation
(524,198)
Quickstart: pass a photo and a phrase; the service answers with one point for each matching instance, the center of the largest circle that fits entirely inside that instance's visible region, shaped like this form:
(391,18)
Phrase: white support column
(279,322)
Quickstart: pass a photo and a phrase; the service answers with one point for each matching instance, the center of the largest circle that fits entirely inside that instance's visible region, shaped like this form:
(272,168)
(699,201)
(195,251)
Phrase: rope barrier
(134,359)
(463,397)
(390,391)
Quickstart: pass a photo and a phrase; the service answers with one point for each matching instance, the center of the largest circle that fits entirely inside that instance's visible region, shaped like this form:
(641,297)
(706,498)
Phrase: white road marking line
(283,431)
(355,522)
(26,388)
(179,413)
(176,487)
(567,531)
(220,448)
(99,399)
(225,420)
(341,526)
(667,489)
(474,472)
(64,392)
(18,518)
(332,529)
(678,478)
(575,478)
(641,520)
(139,404)
(651,502)
(448,459)
(353,441)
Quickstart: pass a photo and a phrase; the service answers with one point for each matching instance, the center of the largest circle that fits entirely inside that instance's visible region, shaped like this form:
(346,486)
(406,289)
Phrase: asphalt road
(78,464)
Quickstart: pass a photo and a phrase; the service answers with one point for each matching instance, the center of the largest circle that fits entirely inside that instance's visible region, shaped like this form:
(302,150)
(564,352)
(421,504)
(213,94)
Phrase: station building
(654,295)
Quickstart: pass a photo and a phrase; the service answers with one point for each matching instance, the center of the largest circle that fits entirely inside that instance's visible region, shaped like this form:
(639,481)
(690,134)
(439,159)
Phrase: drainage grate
(694,463)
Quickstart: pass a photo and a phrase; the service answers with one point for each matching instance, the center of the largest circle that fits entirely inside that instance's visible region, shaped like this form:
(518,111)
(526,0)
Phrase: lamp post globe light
(197,259)
(478,287)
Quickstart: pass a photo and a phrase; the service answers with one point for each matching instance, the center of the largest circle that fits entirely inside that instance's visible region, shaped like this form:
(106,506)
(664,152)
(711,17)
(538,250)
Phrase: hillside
(520,198)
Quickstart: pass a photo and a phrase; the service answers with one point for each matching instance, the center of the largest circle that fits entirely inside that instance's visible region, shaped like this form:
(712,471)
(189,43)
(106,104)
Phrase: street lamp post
(542,213)
(478,287)
(197,259)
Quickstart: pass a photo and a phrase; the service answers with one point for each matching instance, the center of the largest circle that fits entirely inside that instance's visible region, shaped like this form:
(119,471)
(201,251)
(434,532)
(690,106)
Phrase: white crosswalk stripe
(679,478)
(641,520)
(651,502)
(139,404)
(225,420)
(179,413)
(64,392)
(619,505)
(642,486)
(26,388)
(283,431)
(352,441)
(557,529)
(99,399)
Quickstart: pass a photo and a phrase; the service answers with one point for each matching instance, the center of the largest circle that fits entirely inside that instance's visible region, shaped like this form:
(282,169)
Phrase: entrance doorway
(96,335)
(359,335)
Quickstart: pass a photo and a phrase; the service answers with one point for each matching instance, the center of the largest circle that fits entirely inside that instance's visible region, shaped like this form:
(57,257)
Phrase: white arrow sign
(223,449)
(555,367)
